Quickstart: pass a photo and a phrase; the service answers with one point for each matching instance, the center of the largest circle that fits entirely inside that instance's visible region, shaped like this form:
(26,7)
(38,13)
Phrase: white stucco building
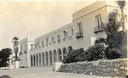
(80,33)
(24,54)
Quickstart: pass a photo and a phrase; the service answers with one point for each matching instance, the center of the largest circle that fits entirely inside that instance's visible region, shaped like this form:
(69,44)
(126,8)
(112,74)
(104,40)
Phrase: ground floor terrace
(48,58)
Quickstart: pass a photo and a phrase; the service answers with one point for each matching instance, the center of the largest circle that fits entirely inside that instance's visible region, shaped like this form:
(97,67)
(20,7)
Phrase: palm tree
(122,4)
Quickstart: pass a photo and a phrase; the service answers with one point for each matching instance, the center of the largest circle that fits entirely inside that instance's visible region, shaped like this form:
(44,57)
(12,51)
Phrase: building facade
(24,54)
(81,33)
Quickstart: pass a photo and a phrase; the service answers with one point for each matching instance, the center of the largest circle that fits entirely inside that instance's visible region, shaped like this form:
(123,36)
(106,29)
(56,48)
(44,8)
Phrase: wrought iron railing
(79,34)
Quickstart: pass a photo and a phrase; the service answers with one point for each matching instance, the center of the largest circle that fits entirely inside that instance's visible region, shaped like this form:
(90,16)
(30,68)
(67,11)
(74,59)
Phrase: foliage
(73,56)
(116,38)
(15,38)
(113,53)
(4,56)
(69,57)
(70,48)
(78,55)
(116,41)
(95,52)
(100,40)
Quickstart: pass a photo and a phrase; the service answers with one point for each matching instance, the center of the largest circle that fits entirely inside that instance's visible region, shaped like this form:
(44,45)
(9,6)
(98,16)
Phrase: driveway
(42,72)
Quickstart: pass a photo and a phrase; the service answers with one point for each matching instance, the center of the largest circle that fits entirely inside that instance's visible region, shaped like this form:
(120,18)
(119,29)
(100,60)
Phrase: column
(48,58)
(62,55)
(57,56)
(53,57)
(34,60)
(44,58)
(40,61)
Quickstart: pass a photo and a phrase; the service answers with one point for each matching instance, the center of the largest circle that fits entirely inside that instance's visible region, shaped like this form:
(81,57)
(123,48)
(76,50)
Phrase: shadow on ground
(5,76)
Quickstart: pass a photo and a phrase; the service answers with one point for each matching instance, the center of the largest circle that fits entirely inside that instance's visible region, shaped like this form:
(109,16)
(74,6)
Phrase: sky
(34,18)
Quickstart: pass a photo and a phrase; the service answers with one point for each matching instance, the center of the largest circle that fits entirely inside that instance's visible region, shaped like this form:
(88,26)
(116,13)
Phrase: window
(25,47)
(79,33)
(53,40)
(65,34)
(47,41)
(72,31)
(35,46)
(58,36)
(42,43)
(25,51)
(98,21)
(31,46)
(21,49)
(79,25)
(38,44)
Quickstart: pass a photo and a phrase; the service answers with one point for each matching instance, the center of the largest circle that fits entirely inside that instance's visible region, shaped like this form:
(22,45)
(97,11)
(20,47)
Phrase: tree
(122,4)
(116,38)
(4,56)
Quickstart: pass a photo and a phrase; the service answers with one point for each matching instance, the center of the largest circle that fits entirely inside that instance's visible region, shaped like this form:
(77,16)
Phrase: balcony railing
(70,37)
(25,51)
(98,29)
(54,42)
(50,44)
(20,53)
(79,34)
(58,41)
(64,39)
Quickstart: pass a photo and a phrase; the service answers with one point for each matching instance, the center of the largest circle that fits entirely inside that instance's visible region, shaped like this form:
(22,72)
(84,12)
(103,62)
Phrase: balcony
(70,37)
(97,29)
(58,41)
(20,53)
(50,43)
(64,39)
(25,51)
(79,34)
(54,42)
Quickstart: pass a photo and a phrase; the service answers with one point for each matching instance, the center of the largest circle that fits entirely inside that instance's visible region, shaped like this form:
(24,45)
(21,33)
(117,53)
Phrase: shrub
(69,57)
(70,48)
(95,52)
(113,53)
(100,40)
(73,56)
(78,55)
